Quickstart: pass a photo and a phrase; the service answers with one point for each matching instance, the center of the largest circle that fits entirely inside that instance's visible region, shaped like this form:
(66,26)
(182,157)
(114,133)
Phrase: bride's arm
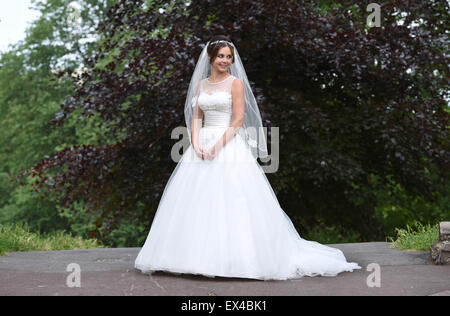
(237,92)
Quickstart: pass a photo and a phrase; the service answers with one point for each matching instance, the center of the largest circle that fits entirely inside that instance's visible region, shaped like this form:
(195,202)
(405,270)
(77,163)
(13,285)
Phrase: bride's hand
(200,152)
(212,153)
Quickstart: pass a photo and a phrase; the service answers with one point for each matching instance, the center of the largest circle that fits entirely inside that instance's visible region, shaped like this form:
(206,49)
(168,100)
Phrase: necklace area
(218,81)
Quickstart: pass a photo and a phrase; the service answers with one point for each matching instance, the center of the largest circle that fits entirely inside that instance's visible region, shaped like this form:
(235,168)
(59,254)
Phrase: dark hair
(213,50)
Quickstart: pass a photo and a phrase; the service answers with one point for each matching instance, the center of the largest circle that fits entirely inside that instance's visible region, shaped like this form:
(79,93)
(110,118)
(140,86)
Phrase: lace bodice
(215,100)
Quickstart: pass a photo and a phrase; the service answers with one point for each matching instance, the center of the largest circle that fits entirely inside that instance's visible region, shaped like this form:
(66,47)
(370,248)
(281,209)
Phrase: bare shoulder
(237,84)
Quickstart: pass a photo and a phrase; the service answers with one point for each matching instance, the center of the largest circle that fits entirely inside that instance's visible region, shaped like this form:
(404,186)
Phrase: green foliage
(79,221)
(326,234)
(25,206)
(128,233)
(18,238)
(415,237)
(395,208)
(28,100)
(30,97)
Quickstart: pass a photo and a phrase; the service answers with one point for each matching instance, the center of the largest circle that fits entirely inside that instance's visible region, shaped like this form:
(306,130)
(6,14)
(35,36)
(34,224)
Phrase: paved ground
(111,272)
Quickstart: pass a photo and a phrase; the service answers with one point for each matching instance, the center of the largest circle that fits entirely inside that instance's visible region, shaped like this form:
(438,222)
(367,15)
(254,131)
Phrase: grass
(415,237)
(19,238)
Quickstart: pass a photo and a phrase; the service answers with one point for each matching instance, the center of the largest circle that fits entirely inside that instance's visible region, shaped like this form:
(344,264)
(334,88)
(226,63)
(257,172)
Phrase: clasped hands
(207,154)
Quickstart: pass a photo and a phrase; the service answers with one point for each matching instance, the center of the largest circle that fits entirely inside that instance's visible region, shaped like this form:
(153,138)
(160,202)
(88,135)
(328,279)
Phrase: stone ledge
(440,250)
(444,231)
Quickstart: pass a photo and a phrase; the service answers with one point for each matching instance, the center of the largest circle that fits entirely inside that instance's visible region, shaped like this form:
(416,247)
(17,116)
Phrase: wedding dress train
(221,217)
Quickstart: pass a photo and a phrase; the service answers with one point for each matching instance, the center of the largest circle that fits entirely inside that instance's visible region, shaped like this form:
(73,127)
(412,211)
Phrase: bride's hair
(213,49)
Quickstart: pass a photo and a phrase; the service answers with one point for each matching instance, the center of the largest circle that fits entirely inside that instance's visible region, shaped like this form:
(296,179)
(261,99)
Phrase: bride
(218,215)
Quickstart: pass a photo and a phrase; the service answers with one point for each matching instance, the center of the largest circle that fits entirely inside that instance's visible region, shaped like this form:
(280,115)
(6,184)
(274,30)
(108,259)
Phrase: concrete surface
(111,272)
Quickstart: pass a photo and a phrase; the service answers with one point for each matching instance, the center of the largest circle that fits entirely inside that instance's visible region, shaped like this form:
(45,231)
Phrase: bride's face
(223,60)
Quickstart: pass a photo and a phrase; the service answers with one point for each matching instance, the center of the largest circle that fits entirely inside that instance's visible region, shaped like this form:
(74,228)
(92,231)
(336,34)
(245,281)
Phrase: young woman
(218,215)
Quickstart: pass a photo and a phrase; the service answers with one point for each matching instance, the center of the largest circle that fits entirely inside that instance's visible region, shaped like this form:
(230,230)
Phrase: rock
(440,250)
(444,231)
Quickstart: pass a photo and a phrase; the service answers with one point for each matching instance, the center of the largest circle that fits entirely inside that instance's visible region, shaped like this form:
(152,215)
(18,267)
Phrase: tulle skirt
(221,218)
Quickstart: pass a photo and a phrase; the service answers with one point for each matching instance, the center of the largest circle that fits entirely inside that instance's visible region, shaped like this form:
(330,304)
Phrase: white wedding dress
(221,217)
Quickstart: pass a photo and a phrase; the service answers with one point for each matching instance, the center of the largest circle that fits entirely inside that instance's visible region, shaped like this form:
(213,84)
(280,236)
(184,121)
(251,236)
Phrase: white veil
(252,130)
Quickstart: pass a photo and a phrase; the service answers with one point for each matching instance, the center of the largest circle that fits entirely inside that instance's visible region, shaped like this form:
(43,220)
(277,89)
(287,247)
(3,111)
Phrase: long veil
(252,130)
